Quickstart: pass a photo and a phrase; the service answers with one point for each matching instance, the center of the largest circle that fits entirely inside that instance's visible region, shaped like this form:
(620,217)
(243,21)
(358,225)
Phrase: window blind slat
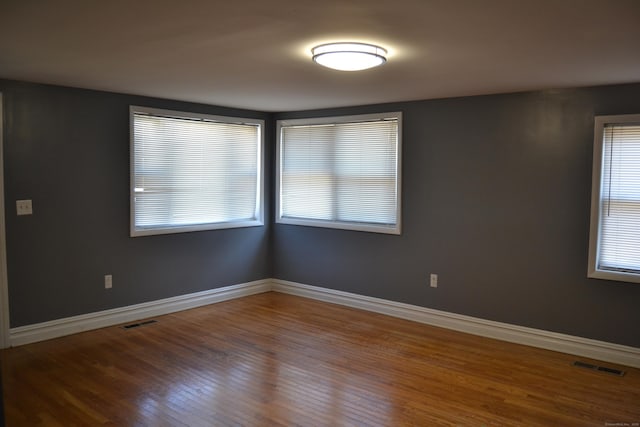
(619,248)
(190,172)
(340,172)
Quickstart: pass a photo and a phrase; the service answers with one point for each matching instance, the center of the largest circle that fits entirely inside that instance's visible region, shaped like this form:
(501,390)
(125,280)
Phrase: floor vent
(137,325)
(611,371)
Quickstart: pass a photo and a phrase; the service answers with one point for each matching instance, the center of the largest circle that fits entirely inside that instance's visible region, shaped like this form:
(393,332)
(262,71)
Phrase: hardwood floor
(275,359)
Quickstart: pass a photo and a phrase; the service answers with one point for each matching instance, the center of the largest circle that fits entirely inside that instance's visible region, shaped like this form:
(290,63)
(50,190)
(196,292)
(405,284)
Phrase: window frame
(596,194)
(335,224)
(159,112)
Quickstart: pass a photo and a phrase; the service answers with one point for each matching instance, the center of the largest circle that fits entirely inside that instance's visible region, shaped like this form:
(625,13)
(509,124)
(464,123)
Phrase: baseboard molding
(600,350)
(71,325)
(584,347)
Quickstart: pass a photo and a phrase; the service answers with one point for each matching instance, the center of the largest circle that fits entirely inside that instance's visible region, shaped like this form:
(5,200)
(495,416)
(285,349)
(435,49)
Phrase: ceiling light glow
(349,56)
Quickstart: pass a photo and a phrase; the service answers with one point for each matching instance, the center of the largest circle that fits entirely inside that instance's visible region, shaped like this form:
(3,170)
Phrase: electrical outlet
(108,281)
(24,207)
(433,280)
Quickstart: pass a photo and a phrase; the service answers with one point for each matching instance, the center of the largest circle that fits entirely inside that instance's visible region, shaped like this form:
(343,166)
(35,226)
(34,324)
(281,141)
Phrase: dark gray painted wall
(68,151)
(496,200)
(496,196)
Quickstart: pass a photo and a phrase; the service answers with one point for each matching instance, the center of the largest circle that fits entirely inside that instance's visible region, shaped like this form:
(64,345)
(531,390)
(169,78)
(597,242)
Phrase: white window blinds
(340,172)
(194,172)
(618,216)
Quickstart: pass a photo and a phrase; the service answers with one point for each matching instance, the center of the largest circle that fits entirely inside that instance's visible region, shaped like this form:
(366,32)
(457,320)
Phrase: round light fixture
(349,56)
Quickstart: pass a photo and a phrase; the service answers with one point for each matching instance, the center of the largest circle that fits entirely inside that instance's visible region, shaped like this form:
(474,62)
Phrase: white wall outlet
(433,280)
(108,281)
(24,207)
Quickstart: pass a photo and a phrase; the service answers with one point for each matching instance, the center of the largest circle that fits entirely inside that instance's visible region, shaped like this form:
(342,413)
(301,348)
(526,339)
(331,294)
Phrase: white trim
(4,287)
(584,347)
(258,221)
(394,229)
(600,350)
(71,325)
(596,197)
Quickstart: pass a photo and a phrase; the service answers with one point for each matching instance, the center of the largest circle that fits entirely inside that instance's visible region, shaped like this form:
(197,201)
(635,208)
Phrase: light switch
(24,207)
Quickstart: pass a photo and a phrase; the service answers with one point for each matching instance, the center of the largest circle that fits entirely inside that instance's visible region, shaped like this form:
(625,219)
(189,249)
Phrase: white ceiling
(256,53)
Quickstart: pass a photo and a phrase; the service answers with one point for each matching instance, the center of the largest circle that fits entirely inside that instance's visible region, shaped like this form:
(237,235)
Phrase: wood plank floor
(274,359)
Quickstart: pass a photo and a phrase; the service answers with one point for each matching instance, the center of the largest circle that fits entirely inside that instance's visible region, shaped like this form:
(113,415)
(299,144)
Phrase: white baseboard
(600,350)
(584,347)
(71,325)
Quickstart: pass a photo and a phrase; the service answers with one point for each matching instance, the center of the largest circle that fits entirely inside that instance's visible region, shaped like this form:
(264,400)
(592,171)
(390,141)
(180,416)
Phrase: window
(194,172)
(614,249)
(340,172)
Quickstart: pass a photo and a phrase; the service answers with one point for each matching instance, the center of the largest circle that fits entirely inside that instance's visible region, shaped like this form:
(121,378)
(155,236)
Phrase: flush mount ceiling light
(349,56)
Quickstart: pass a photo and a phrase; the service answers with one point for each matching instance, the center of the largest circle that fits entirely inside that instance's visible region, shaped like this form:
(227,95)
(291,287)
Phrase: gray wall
(68,151)
(496,200)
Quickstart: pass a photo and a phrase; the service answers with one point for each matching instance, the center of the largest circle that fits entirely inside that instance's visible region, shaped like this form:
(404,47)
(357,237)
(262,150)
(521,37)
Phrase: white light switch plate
(24,207)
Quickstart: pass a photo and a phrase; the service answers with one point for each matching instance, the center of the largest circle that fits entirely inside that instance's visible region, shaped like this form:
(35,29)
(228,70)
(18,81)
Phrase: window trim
(259,209)
(342,225)
(596,192)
